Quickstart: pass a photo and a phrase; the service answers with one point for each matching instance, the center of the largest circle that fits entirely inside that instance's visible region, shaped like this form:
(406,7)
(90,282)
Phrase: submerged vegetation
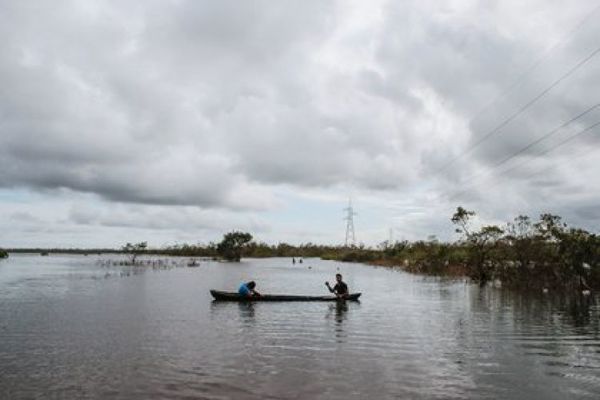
(524,253)
(134,250)
(544,254)
(233,244)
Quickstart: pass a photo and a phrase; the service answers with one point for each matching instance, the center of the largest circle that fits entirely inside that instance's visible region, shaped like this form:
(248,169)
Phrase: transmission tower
(349,218)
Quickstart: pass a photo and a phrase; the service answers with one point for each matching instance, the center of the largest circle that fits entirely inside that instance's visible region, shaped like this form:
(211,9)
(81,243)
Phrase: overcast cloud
(177,121)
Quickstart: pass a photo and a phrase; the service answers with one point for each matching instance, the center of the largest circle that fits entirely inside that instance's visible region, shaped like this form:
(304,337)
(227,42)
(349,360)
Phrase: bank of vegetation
(3,254)
(545,253)
(526,253)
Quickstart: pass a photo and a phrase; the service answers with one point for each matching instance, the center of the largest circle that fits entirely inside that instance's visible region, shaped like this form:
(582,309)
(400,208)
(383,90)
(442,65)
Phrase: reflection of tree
(557,310)
(579,308)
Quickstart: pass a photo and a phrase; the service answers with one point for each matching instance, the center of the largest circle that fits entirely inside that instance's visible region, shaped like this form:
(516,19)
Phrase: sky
(177,121)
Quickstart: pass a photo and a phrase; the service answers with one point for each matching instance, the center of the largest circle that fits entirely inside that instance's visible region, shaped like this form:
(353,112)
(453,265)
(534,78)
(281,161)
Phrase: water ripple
(66,334)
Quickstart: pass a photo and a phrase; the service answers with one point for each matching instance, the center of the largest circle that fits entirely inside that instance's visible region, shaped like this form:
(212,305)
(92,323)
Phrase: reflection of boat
(231,296)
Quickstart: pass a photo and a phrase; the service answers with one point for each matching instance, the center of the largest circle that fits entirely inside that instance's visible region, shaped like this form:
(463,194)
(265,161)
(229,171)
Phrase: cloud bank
(214,112)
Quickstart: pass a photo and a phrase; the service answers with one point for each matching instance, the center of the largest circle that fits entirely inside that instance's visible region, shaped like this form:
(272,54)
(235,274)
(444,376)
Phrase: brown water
(72,328)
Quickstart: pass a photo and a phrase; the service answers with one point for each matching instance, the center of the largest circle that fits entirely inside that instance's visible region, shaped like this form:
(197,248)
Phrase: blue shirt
(244,290)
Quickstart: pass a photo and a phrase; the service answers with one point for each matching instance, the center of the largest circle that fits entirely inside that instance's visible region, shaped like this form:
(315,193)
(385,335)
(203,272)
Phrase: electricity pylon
(349,218)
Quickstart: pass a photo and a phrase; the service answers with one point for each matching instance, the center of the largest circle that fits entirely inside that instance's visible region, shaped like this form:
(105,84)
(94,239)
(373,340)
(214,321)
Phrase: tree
(550,227)
(3,253)
(480,243)
(577,248)
(393,249)
(461,219)
(550,231)
(134,250)
(230,248)
(523,243)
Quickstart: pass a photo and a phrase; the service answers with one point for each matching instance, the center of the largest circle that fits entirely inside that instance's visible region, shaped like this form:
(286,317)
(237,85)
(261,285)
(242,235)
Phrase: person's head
(338,277)
(251,285)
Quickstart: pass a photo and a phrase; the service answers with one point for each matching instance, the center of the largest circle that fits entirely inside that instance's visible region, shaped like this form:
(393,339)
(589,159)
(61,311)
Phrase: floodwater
(73,327)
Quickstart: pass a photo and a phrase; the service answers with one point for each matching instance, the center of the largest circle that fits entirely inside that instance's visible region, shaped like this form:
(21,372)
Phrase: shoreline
(552,277)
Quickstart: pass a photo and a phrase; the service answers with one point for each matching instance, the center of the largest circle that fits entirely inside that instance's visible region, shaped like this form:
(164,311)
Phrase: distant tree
(258,250)
(480,243)
(134,250)
(286,250)
(550,227)
(578,248)
(461,219)
(524,244)
(393,249)
(550,230)
(3,253)
(232,245)
(483,242)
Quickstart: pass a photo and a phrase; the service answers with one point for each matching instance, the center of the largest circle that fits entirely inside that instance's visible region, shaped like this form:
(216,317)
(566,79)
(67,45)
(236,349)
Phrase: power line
(557,145)
(535,142)
(551,133)
(579,155)
(548,150)
(536,63)
(524,107)
(515,83)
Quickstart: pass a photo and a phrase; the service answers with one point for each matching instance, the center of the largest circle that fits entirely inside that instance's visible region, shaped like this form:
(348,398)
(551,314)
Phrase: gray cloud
(24,217)
(189,219)
(218,105)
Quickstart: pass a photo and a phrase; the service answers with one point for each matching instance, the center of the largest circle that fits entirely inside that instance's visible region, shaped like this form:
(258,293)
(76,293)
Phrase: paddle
(332,291)
(339,296)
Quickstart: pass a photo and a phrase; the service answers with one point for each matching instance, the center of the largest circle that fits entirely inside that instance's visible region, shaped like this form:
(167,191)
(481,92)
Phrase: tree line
(545,253)
(522,253)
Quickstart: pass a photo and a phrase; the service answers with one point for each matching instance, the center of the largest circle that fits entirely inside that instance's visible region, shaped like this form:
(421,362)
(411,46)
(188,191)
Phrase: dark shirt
(340,288)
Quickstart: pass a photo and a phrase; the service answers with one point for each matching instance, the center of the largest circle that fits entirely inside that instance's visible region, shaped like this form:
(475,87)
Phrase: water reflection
(161,336)
(577,311)
(246,312)
(338,311)
(580,310)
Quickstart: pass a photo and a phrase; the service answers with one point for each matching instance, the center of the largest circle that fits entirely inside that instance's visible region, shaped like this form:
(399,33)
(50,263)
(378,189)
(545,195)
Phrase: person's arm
(255,293)
(329,287)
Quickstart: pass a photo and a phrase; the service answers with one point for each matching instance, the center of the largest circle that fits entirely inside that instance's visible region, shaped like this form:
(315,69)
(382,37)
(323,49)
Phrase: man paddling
(340,289)
(247,289)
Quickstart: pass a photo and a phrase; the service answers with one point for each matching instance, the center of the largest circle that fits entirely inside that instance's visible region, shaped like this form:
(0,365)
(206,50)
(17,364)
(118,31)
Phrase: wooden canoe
(232,296)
